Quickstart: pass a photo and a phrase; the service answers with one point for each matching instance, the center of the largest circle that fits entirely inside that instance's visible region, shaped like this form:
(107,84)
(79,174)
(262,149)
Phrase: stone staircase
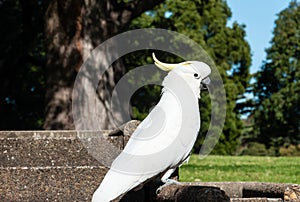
(46,166)
(56,166)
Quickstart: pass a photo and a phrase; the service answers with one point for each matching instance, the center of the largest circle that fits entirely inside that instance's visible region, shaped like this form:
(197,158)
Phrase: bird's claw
(166,183)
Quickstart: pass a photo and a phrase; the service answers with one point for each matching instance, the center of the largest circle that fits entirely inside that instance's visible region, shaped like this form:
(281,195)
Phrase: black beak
(204,83)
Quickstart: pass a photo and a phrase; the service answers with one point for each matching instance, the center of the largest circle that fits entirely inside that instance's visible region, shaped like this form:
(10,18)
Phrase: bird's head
(195,73)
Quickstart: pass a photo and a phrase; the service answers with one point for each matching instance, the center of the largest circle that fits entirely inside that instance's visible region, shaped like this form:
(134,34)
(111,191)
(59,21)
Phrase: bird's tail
(113,185)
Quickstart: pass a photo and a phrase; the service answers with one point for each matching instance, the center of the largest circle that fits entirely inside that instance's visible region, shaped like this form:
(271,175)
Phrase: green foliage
(277,89)
(206,23)
(147,96)
(241,168)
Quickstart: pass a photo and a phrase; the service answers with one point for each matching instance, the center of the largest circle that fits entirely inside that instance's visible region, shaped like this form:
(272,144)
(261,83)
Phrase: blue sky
(259,17)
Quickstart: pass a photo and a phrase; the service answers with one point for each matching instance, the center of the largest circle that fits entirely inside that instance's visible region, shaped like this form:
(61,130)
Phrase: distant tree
(277,115)
(206,23)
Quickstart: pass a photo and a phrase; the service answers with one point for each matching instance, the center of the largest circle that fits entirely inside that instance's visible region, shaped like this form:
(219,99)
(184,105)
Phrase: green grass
(241,168)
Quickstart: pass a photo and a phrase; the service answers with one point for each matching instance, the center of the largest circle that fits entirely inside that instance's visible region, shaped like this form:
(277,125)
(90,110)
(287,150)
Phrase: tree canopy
(206,23)
(277,90)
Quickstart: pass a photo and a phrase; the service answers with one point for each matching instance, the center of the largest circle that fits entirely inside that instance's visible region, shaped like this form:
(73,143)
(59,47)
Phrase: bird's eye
(196,76)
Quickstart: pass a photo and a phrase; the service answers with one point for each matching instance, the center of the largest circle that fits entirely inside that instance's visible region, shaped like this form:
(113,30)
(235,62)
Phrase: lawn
(241,168)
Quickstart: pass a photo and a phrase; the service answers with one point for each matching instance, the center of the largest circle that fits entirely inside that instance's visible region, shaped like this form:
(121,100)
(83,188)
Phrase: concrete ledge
(236,191)
(47,148)
(248,189)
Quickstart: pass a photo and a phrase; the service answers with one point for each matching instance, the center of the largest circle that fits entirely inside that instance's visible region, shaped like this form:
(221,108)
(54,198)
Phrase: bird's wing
(114,184)
(153,148)
(138,161)
(162,140)
(149,142)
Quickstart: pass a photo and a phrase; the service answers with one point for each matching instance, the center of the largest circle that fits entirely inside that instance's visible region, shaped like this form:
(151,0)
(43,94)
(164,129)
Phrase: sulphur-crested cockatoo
(165,138)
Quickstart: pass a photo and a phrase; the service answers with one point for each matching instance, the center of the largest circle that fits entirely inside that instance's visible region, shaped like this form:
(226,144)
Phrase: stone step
(49,148)
(67,183)
(49,165)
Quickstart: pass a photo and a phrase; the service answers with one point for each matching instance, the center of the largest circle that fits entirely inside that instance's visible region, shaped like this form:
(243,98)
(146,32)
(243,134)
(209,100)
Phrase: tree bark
(73,28)
(64,57)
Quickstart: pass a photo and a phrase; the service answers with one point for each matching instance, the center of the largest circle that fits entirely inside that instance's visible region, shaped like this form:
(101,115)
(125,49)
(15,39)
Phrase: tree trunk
(64,57)
(73,28)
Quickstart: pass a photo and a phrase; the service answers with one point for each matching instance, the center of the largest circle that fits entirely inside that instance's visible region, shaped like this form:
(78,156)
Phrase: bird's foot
(166,183)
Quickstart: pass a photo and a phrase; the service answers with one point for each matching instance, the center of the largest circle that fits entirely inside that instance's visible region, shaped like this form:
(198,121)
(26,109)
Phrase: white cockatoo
(165,138)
